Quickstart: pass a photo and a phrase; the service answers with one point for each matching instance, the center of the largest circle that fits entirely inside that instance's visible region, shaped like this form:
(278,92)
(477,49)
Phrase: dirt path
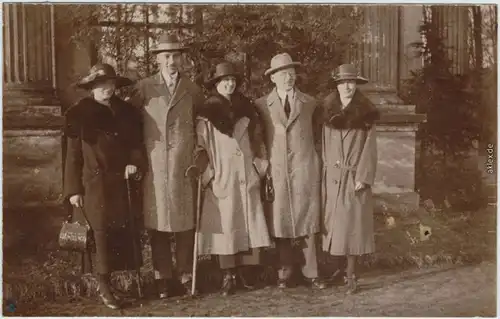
(463,291)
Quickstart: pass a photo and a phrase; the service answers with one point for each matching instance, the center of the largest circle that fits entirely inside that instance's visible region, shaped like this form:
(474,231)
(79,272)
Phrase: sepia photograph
(249,160)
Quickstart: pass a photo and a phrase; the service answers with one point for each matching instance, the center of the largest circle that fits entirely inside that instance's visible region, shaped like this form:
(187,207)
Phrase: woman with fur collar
(349,152)
(233,224)
(103,147)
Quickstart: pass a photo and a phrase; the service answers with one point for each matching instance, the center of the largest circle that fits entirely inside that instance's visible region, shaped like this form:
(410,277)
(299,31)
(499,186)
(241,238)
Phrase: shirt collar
(170,78)
(282,94)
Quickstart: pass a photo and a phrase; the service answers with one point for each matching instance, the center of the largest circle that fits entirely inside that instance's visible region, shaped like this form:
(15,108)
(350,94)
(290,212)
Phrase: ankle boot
(162,288)
(105,293)
(228,282)
(351,284)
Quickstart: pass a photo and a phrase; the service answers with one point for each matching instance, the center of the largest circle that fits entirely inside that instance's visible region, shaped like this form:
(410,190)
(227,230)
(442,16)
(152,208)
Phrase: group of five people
(320,157)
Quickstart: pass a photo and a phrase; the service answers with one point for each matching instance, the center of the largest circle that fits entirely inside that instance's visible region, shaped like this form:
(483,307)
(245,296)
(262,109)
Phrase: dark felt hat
(347,72)
(102,72)
(221,70)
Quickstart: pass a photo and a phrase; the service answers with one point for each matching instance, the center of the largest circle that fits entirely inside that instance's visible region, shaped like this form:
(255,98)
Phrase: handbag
(267,188)
(75,236)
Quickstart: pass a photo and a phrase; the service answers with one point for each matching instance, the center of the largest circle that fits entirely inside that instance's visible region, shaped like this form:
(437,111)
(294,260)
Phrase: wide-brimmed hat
(347,72)
(102,72)
(168,42)
(221,70)
(281,61)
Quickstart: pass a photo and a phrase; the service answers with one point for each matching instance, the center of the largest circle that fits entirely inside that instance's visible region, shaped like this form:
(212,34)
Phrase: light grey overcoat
(295,165)
(170,138)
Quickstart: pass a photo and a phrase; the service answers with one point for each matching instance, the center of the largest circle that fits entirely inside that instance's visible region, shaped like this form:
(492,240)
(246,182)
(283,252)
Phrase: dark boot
(105,293)
(162,288)
(351,284)
(245,277)
(187,282)
(228,282)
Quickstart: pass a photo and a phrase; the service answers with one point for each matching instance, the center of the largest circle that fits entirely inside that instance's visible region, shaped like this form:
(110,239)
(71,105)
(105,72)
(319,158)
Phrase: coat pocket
(219,191)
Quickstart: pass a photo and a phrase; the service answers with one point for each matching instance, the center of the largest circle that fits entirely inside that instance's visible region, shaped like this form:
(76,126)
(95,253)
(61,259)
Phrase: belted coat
(349,152)
(295,164)
(233,217)
(170,138)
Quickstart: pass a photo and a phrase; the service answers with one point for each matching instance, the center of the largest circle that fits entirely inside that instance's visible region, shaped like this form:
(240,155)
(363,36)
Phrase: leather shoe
(228,284)
(109,300)
(283,284)
(317,283)
(162,288)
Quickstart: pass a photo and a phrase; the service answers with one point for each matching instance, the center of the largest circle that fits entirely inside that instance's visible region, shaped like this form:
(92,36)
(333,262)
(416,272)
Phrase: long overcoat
(170,138)
(295,165)
(100,141)
(233,218)
(349,153)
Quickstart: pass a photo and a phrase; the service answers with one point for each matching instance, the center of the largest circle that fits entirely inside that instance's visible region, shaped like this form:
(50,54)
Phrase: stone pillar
(31,112)
(395,187)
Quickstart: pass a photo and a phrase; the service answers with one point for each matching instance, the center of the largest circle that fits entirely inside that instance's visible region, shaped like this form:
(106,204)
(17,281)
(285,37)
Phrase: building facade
(41,62)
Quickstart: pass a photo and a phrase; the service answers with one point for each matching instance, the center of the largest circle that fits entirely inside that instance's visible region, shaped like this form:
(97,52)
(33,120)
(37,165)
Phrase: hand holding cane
(136,250)
(197,223)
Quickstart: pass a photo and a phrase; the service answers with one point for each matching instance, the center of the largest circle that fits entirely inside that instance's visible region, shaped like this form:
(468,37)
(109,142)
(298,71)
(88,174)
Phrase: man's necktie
(171,86)
(287,107)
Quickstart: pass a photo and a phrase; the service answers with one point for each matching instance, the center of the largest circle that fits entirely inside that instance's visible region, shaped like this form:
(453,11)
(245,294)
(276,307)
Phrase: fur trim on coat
(224,114)
(361,113)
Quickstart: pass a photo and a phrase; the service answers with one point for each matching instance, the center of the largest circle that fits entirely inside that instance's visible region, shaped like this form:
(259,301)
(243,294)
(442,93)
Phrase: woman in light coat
(350,158)
(233,224)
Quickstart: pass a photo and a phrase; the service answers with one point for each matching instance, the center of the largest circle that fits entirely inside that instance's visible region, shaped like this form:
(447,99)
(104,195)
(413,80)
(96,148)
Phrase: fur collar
(88,113)
(224,114)
(359,114)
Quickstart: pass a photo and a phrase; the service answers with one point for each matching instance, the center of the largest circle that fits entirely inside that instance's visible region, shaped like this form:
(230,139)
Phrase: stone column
(31,112)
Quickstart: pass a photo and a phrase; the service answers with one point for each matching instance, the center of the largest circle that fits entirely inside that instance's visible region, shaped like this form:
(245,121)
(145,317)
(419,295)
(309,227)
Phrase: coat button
(335,182)
(337,164)
(242,182)
(238,153)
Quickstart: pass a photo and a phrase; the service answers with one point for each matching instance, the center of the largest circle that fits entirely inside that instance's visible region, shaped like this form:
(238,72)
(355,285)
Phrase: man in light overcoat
(288,115)
(168,100)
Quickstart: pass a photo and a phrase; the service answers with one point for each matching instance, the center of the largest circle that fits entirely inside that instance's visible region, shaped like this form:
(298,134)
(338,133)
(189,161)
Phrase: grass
(44,272)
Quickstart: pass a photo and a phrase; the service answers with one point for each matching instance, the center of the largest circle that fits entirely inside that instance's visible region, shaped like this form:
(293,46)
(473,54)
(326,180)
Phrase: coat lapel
(296,107)
(276,107)
(240,128)
(161,89)
(180,90)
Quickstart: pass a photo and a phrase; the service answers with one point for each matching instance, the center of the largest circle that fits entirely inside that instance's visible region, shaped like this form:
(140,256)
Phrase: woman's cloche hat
(167,43)
(347,72)
(221,70)
(102,72)
(279,62)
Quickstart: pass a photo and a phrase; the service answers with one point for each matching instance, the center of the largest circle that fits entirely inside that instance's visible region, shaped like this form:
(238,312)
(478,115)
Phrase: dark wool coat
(100,142)
(233,217)
(349,153)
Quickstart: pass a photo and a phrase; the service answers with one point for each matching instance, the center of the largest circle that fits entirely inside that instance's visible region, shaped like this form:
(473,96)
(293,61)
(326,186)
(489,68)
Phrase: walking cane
(135,231)
(197,227)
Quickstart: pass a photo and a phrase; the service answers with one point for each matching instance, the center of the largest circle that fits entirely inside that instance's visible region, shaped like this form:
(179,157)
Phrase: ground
(434,291)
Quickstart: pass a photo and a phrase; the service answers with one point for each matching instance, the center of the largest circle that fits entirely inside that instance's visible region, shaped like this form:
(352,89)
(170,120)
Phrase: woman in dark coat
(349,151)
(103,148)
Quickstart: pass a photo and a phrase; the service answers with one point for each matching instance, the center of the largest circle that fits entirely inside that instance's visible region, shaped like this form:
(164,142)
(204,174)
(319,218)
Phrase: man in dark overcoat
(167,101)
